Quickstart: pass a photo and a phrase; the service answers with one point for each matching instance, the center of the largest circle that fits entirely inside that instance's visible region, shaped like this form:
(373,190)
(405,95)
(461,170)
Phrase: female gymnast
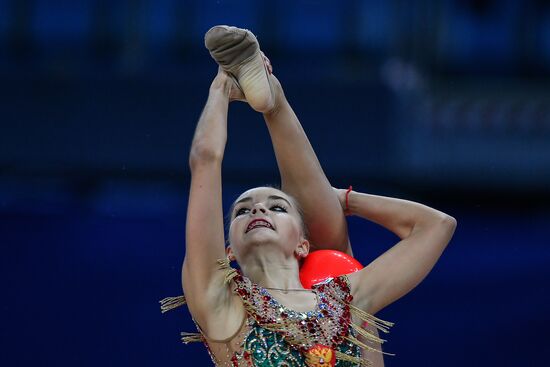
(262,315)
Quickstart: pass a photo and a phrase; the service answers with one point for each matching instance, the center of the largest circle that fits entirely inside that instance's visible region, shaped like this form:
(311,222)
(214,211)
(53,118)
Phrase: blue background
(442,102)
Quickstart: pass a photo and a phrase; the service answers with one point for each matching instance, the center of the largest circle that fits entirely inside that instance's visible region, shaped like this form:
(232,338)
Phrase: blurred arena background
(442,102)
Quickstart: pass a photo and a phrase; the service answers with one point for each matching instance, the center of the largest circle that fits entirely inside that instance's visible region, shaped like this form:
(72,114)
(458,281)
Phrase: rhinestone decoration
(280,336)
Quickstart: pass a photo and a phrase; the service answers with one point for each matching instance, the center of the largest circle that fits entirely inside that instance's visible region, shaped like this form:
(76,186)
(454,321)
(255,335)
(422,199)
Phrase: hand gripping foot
(237,51)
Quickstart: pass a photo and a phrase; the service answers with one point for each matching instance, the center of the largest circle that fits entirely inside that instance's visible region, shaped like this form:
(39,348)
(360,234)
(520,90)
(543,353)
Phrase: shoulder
(216,308)
(339,287)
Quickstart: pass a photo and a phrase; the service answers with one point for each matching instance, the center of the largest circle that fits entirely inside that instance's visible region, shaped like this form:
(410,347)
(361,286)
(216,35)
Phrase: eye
(278,208)
(241,211)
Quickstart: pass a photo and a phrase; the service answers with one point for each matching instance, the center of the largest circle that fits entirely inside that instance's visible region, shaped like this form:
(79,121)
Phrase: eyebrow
(275,197)
(271,197)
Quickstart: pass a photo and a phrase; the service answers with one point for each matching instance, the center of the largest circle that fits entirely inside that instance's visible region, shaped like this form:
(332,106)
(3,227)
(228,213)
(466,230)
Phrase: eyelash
(240,211)
(280,208)
(275,208)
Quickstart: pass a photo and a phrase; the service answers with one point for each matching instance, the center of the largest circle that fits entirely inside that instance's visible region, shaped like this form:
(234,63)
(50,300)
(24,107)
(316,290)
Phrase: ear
(302,250)
(229,253)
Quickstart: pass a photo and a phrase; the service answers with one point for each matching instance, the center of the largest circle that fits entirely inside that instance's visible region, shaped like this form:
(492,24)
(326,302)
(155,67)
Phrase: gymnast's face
(266,218)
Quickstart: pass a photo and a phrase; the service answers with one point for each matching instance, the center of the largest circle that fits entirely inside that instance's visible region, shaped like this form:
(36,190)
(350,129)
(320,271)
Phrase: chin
(261,235)
(263,240)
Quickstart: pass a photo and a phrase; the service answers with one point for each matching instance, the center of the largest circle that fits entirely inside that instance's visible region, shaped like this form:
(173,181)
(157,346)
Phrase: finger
(267,63)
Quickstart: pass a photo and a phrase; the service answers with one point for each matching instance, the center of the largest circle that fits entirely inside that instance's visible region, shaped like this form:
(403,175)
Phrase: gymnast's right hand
(229,85)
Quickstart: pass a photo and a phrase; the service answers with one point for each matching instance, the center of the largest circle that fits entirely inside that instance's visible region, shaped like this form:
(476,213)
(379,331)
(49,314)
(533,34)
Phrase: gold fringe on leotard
(191,337)
(169,303)
(230,273)
(369,335)
(357,360)
(370,319)
(366,334)
(362,345)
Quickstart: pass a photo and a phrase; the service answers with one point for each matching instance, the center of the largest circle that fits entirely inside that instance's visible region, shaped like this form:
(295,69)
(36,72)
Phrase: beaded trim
(327,326)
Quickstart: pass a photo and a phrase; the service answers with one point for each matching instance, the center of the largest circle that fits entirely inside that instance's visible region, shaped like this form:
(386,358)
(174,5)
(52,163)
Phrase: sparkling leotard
(274,335)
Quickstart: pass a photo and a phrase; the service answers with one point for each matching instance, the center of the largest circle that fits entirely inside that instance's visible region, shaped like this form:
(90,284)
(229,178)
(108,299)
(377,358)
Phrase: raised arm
(201,279)
(424,234)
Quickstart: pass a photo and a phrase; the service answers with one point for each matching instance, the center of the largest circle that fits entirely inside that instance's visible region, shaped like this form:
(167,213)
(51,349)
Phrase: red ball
(323,264)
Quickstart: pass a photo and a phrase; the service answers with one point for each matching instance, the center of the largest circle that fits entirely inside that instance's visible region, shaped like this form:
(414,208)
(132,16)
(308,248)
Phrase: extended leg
(303,177)
(237,51)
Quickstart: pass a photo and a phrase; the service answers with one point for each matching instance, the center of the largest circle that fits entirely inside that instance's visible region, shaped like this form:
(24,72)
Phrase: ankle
(278,95)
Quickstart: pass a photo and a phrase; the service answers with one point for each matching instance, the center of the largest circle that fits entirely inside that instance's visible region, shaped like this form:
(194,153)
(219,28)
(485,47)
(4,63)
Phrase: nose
(258,208)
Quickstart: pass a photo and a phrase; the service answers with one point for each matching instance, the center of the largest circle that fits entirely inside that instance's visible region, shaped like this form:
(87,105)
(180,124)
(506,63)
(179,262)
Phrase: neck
(272,271)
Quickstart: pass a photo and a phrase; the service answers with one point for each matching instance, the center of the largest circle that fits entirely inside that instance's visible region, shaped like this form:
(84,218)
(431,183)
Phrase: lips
(258,223)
